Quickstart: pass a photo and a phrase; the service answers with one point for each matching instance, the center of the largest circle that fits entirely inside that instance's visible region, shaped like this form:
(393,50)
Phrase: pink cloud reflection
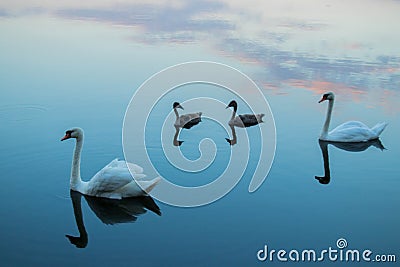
(380,98)
(319,87)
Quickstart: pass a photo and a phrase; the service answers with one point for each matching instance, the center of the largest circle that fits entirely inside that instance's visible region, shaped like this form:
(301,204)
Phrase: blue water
(79,67)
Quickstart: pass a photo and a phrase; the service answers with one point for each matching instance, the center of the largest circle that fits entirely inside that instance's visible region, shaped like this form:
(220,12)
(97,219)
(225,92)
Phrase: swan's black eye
(325,95)
(68,132)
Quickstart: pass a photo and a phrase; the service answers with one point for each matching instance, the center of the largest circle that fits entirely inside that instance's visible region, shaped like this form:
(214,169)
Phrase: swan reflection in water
(176,142)
(232,141)
(109,211)
(351,147)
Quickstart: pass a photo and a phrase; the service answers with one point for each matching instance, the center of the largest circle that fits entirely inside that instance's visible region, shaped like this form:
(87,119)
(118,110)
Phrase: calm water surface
(67,65)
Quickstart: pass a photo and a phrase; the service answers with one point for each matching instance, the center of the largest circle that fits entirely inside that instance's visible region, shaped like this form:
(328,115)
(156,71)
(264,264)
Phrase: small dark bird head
(323,179)
(79,242)
(233,104)
(231,142)
(176,105)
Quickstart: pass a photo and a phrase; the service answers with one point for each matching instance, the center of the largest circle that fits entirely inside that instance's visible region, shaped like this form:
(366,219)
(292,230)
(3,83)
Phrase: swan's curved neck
(234,112)
(234,137)
(176,113)
(325,129)
(76,165)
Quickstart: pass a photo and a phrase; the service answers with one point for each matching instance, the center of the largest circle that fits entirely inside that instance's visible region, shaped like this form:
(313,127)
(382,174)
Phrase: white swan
(186,121)
(244,120)
(351,131)
(113,181)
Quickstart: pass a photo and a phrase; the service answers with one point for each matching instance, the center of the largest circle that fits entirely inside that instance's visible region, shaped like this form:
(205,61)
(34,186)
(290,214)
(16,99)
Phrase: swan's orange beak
(322,99)
(66,136)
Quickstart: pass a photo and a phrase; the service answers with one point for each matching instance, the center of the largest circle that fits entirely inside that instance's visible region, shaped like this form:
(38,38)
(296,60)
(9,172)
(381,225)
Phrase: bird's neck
(176,113)
(76,165)
(234,112)
(327,120)
(234,137)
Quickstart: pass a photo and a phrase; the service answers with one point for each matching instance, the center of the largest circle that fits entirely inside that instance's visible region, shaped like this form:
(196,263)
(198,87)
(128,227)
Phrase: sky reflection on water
(312,39)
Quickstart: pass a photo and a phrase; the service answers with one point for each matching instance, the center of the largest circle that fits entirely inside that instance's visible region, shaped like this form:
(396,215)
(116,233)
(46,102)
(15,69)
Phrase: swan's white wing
(136,170)
(378,128)
(112,177)
(350,125)
(352,131)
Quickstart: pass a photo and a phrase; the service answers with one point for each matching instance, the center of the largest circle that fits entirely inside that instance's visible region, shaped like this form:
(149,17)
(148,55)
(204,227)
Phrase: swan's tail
(378,129)
(260,117)
(149,185)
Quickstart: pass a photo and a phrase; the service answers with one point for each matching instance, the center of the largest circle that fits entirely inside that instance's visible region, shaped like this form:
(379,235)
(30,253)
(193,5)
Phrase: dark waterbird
(244,120)
(186,121)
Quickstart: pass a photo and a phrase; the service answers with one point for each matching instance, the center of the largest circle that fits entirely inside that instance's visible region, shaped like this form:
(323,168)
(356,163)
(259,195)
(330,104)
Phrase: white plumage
(351,131)
(113,181)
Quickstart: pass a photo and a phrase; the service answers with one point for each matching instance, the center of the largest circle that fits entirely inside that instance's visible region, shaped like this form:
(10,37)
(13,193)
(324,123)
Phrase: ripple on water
(21,112)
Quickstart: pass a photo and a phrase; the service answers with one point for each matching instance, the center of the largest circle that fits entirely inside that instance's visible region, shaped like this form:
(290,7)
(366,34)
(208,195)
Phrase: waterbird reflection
(351,147)
(232,141)
(177,142)
(109,211)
